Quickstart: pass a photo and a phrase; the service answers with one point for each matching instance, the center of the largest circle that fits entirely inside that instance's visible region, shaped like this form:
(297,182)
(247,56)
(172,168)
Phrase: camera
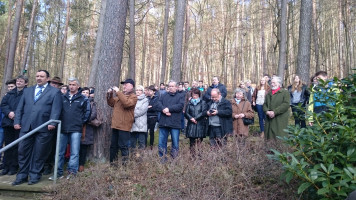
(211,110)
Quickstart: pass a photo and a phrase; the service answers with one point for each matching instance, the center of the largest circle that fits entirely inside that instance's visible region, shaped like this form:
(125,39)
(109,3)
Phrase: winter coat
(75,112)
(9,103)
(124,107)
(89,129)
(175,103)
(224,113)
(198,112)
(304,97)
(243,107)
(152,111)
(279,104)
(140,113)
(222,89)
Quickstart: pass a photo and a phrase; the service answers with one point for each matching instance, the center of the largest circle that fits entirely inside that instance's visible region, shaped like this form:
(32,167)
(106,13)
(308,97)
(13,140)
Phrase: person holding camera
(122,118)
(220,118)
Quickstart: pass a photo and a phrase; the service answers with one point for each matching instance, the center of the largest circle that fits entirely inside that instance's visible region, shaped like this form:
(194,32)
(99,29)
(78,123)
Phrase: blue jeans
(1,138)
(163,138)
(139,137)
(261,117)
(74,140)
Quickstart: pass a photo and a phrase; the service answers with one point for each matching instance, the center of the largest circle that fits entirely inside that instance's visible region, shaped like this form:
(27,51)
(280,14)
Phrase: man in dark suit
(38,104)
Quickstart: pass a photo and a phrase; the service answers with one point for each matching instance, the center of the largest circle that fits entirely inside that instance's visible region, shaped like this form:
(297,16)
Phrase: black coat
(198,112)
(152,112)
(75,113)
(89,129)
(175,103)
(9,104)
(304,97)
(224,109)
(222,89)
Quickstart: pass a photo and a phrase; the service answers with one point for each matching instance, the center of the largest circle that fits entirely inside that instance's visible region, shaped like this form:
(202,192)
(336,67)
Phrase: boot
(81,168)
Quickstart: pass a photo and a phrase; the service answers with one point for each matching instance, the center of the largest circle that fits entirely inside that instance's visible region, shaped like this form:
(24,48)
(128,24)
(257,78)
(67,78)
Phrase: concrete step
(23,191)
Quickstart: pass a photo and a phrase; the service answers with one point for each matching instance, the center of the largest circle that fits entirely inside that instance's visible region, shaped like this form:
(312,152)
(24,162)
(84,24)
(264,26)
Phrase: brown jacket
(123,113)
(238,126)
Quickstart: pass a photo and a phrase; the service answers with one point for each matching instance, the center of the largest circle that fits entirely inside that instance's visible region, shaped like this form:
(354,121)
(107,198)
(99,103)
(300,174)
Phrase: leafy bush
(323,157)
(237,171)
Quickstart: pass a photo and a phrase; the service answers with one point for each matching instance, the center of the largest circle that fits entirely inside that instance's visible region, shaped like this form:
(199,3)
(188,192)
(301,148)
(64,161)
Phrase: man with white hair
(75,113)
(276,108)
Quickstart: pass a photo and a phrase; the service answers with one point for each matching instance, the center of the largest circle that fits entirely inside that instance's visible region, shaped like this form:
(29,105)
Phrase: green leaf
(323,191)
(323,167)
(313,175)
(289,177)
(303,187)
(350,151)
(331,168)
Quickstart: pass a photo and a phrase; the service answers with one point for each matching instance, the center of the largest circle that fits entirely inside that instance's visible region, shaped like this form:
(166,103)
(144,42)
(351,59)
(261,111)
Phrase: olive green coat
(279,104)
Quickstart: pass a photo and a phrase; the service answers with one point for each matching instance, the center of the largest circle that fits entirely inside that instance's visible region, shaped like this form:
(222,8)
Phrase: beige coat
(238,126)
(123,113)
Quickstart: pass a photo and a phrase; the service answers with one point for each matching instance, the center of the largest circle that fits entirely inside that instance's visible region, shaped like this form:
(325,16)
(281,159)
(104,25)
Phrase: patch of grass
(239,170)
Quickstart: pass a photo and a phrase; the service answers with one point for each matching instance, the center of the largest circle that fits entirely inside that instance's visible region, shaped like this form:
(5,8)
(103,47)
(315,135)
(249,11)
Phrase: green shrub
(323,157)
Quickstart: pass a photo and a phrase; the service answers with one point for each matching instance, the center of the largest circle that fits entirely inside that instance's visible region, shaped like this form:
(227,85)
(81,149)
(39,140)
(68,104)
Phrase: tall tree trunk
(305,26)
(109,66)
(165,37)
(132,59)
(144,50)
(12,48)
(316,37)
(178,40)
(28,43)
(263,42)
(283,40)
(6,39)
(185,75)
(64,42)
(99,34)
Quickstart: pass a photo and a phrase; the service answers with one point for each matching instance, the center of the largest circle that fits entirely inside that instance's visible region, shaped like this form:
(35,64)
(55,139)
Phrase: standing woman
(139,127)
(299,95)
(195,112)
(241,108)
(258,99)
(87,138)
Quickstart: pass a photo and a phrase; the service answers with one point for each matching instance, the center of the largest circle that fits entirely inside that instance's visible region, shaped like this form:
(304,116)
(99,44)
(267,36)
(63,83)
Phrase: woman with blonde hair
(241,108)
(299,95)
(258,99)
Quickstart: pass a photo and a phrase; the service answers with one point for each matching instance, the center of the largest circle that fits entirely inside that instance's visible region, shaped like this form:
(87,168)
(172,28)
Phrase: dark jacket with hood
(75,112)
(9,103)
(224,109)
(221,87)
(175,103)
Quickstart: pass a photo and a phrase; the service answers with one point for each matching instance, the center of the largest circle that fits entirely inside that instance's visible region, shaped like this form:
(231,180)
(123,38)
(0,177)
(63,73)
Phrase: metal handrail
(34,131)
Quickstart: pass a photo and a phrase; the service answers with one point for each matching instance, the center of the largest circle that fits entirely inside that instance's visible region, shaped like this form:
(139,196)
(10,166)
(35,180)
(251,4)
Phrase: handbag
(247,121)
(97,121)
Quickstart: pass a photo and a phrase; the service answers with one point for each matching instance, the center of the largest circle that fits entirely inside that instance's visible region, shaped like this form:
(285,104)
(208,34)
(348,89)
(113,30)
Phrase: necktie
(38,93)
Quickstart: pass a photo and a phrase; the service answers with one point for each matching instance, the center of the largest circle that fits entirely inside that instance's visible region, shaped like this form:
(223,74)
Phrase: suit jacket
(30,114)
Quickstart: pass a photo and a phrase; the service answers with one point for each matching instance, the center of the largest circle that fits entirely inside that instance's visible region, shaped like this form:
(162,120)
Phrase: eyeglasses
(139,90)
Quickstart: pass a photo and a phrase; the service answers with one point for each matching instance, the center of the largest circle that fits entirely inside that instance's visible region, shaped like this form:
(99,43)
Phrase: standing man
(171,107)
(38,104)
(218,85)
(201,86)
(11,84)
(152,113)
(276,108)
(8,107)
(122,118)
(220,118)
(75,113)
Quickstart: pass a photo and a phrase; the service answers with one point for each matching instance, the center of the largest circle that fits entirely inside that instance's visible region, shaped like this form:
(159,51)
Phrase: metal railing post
(57,153)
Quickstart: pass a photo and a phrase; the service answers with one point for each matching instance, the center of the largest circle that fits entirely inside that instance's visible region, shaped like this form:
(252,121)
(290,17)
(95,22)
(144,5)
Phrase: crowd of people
(198,111)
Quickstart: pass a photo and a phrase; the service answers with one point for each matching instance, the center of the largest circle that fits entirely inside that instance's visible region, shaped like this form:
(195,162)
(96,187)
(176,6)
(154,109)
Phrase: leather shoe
(4,172)
(11,173)
(18,182)
(33,182)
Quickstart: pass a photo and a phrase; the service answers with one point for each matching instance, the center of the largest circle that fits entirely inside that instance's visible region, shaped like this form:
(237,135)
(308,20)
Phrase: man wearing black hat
(122,118)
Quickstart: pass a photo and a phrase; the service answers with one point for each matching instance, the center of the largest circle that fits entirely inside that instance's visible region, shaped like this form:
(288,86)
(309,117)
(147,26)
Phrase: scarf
(276,90)
(195,101)
(237,101)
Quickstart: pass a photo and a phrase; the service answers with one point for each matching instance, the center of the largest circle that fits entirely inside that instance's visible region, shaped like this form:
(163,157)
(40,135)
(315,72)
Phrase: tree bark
(165,37)
(305,26)
(29,38)
(109,66)
(64,42)
(12,48)
(132,59)
(316,37)
(263,41)
(283,40)
(185,70)
(99,34)
(178,40)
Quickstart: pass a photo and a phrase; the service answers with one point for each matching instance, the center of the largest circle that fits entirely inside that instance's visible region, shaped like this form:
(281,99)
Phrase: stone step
(23,191)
